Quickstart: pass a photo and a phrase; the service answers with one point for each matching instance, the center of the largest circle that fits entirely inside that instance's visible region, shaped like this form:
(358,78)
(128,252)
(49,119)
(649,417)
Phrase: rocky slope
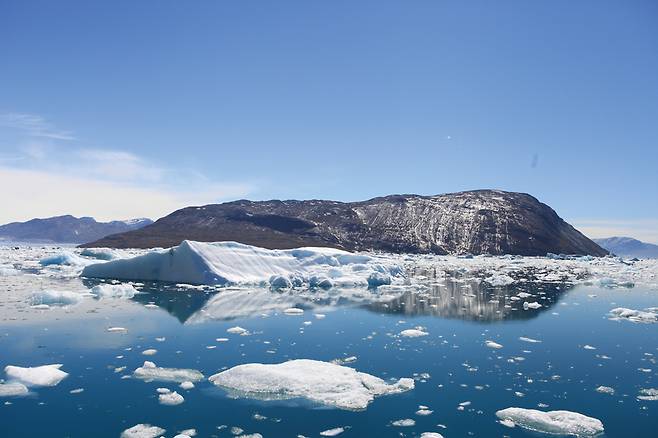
(66,229)
(476,222)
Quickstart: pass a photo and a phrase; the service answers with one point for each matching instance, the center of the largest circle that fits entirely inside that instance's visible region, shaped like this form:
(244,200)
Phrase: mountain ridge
(476,222)
(628,247)
(67,229)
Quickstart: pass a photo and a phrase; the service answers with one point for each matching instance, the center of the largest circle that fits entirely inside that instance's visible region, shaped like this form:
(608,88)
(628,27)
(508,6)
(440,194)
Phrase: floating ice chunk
(117,329)
(377,279)
(12,389)
(555,422)
(333,432)
(294,311)
(76,391)
(237,331)
(424,412)
(100,253)
(648,394)
(123,291)
(406,422)
(278,282)
(413,333)
(533,305)
(529,340)
(588,347)
(431,435)
(143,431)
(150,352)
(605,390)
(171,398)
(322,382)
(499,280)
(187,385)
(149,371)
(65,258)
(45,375)
(55,298)
(492,344)
(647,316)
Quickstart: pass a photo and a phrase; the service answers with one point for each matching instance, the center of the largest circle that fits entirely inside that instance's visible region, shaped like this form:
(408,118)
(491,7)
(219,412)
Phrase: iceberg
(224,263)
(554,422)
(413,333)
(321,382)
(149,371)
(45,375)
(65,258)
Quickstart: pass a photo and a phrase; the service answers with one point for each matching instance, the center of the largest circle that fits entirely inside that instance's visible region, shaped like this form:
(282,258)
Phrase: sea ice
(65,258)
(492,344)
(318,381)
(555,422)
(171,398)
(45,375)
(431,435)
(12,389)
(406,422)
(333,432)
(143,431)
(149,371)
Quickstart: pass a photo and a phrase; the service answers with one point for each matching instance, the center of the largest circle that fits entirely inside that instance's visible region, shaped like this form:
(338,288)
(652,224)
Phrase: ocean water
(458,377)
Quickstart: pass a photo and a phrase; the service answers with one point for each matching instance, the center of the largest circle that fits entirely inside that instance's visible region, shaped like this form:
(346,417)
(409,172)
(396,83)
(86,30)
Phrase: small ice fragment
(431,435)
(143,431)
(117,329)
(492,344)
(171,399)
(413,333)
(605,390)
(406,422)
(149,352)
(530,340)
(12,389)
(149,371)
(76,391)
(294,311)
(588,347)
(333,432)
(237,331)
(187,385)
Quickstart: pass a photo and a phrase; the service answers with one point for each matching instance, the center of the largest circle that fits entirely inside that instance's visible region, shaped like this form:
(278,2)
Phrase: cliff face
(476,222)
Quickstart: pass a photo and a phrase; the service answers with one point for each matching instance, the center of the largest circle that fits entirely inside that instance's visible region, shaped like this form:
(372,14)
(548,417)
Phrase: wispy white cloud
(642,229)
(34,125)
(45,176)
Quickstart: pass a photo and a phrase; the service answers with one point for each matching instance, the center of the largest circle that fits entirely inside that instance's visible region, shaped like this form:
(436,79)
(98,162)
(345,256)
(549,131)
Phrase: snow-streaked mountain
(629,247)
(67,229)
(476,222)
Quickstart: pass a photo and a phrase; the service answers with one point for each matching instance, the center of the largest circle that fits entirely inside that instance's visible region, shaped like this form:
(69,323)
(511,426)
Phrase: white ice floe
(646,316)
(492,344)
(150,352)
(531,305)
(406,422)
(413,333)
(224,263)
(648,394)
(294,311)
(318,381)
(12,389)
(431,435)
(55,298)
(149,371)
(237,330)
(554,422)
(122,291)
(499,280)
(187,385)
(170,398)
(605,390)
(529,340)
(65,258)
(45,375)
(143,431)
(333,432)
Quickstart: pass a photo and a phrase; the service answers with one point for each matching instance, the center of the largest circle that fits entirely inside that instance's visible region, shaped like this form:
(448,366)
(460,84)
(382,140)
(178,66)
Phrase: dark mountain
(66,229)
(477,222)
(629,247)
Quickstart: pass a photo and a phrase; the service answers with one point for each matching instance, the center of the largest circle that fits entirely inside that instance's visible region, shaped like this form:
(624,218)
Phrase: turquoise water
(451,365)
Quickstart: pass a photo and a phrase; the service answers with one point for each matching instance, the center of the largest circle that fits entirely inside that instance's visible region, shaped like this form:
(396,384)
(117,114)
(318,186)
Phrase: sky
(133,109)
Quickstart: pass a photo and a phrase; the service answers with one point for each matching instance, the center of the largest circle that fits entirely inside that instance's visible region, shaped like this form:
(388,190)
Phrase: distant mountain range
(475,222)
(66,229)
(629,247)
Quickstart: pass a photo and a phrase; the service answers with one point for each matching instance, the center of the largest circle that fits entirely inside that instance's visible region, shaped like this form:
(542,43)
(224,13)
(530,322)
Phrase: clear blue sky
(158,104)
